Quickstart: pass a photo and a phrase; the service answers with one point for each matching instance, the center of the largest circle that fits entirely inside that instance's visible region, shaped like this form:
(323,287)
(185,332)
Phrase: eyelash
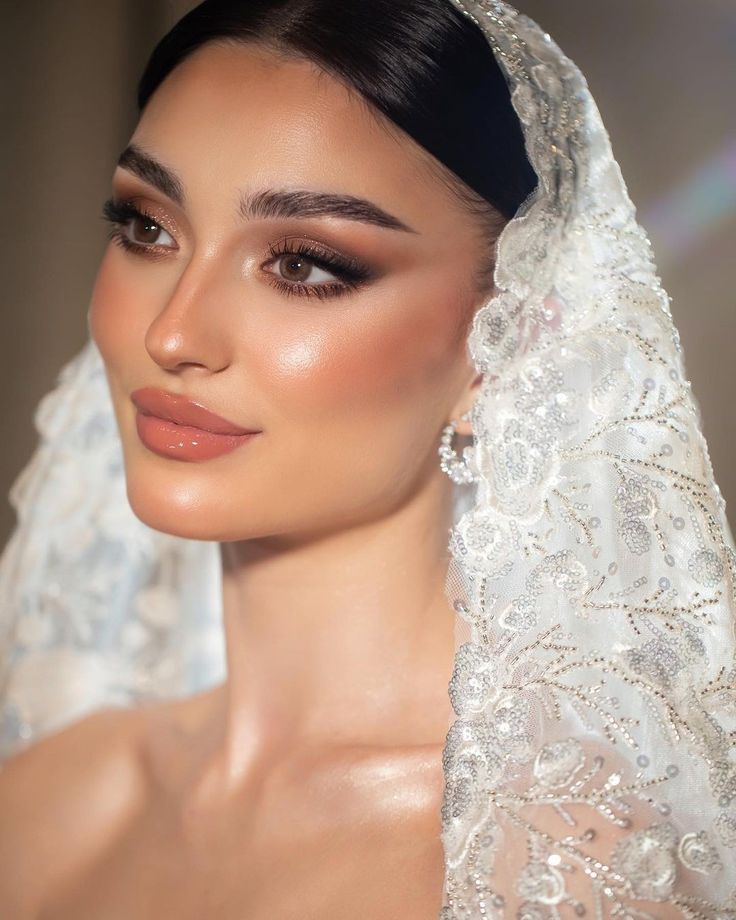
(351,272)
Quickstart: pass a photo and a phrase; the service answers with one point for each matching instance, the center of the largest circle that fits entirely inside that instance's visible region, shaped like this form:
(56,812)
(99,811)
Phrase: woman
(341,243)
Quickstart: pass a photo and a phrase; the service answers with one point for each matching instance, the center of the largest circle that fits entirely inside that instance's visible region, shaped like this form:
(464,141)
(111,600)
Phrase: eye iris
(297,268)
(150,230)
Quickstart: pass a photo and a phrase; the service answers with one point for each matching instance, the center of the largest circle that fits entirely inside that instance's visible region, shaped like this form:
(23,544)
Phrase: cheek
(379,356)
(113,315)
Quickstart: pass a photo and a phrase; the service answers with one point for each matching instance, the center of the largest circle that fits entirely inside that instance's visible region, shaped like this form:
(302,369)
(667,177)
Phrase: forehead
(231,114)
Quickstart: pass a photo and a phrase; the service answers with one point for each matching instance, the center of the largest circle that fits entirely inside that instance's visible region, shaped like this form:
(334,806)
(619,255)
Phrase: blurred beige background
(662,73)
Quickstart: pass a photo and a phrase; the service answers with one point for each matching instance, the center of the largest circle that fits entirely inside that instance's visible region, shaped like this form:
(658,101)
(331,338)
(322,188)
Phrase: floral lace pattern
(590,767)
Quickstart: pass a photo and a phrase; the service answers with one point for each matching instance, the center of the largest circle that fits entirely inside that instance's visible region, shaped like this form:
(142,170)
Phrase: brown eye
(294,267)
(143,230)
(329,274)
(297,268)
(134,229)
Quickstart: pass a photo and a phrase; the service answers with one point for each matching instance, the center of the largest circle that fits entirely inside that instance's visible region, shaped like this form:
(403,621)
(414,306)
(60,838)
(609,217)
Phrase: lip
(183,411)
(177,427)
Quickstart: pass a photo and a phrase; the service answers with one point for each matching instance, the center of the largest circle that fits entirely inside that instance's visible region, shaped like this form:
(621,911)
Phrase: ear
(465,402)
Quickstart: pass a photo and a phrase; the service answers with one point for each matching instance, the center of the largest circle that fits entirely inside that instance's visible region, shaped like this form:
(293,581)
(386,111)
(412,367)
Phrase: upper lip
(183,411)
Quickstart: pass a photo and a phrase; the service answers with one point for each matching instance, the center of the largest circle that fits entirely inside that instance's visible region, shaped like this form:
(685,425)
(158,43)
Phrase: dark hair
(421,63)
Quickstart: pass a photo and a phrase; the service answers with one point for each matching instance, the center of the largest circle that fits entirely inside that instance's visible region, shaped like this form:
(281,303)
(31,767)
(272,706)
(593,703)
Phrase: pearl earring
(461,470)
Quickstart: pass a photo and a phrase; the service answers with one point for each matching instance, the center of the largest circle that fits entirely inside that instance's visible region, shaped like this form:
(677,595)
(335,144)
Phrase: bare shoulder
(62,799)
(67,798)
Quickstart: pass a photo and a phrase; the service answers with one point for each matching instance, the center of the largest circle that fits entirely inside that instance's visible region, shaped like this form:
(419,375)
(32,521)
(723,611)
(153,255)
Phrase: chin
(177,509)
(167,518)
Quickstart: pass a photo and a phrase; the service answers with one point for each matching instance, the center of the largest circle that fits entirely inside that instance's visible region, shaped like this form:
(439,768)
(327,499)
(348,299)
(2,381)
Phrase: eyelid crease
(154,213)
(324,257)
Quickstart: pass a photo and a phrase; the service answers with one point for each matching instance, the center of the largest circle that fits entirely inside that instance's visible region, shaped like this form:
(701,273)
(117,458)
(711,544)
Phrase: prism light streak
(684,216)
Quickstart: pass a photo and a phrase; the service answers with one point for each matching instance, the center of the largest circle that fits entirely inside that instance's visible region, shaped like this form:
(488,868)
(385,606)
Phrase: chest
(298,856)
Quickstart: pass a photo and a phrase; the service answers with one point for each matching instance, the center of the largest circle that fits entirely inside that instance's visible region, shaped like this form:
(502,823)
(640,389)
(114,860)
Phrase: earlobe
(461,415)
(463,427)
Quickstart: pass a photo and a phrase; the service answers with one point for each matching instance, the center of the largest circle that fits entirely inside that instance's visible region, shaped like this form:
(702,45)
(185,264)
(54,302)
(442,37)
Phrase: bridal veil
(590,764)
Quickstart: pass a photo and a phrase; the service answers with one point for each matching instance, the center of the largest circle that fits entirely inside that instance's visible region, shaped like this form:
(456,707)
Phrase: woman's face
(349,390)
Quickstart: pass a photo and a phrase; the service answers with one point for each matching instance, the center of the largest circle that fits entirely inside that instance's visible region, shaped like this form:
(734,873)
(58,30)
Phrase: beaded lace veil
(590,764)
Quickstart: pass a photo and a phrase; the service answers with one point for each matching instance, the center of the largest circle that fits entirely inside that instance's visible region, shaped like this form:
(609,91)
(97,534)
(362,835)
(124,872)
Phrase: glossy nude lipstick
(177,427)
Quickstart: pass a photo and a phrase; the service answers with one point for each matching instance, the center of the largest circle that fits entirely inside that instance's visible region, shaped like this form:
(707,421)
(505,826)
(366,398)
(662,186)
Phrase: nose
(189,330)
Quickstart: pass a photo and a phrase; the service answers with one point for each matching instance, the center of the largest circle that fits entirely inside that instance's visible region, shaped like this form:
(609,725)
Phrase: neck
(341,639)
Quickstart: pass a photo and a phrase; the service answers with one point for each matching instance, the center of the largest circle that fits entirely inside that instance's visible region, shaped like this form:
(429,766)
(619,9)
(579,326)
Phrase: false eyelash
(118,213)
(351,272)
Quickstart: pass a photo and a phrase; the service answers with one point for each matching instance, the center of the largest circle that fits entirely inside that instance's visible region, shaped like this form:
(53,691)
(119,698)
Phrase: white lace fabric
(590,764)
(96,608)
(590,769)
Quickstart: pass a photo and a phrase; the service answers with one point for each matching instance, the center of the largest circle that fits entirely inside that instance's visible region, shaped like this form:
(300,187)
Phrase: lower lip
(184,442)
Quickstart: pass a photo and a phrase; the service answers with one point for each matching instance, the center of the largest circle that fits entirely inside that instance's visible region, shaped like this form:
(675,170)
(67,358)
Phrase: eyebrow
(141,164)
(266,203)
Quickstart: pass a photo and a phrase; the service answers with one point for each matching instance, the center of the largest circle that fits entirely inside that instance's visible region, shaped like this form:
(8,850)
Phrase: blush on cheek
(413,351)
(115,316)
(407,348)
(339,369)
(105,311)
